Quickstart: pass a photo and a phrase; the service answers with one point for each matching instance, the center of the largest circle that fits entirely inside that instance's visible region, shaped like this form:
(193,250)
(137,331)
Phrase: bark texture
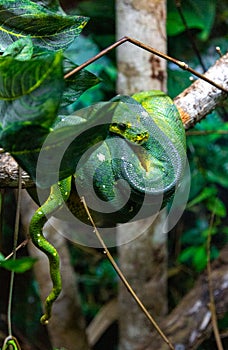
(189,324)
(145,21)
(143,260)
(9,173)
(189,103)
(192,112)
(201,98)
(66,326)
(144,263)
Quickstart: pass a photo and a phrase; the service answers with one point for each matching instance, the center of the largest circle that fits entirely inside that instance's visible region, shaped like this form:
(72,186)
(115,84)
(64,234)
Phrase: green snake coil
(140,162)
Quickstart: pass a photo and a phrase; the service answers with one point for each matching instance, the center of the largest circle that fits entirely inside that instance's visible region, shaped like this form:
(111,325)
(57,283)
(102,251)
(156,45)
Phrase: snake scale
(11,343)
(139,163)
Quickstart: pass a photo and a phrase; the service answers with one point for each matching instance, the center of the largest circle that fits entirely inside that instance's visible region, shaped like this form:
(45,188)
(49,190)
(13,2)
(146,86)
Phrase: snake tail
(58,195)
(11,343)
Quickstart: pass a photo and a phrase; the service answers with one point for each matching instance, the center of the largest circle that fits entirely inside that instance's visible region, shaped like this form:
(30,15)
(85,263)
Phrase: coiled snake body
(139,164)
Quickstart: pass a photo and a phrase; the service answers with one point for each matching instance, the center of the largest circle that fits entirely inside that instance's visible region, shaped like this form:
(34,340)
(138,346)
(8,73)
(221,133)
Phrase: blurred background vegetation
(207,154)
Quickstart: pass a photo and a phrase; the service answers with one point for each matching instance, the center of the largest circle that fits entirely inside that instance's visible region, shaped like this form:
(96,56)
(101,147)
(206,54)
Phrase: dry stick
(16,231)
(125,282)
(210,288)
(2,193)
(182,65)
(206,132)
(143,46)
(189,34)
(218,50)
(21,245)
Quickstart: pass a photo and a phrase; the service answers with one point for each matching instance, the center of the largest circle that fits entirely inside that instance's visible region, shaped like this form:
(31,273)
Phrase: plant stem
(189,34)
(16,231)
(210,287)
(124,280)
(143,46)
(206,132)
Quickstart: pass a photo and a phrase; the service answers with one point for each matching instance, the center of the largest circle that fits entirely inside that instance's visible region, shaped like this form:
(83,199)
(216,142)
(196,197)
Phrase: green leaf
(30,89)
(32,92)
(178,80)
(52,5)
(198,14)
(200,258)
(76,84)
(209,231)
(19,265)
(2,258)
(214,252)
(225,230)
(47,29)
(204,194)
(217,207)
(21,49)
(187,254)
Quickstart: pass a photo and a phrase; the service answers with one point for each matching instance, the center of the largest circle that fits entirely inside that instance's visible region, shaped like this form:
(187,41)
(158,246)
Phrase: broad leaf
(30,89)
(206,193)
(77,83)
(199,258)
(31,92)
(19,265)
(198,14)
(21,49)
(52,5)
(47,29)
(217,207)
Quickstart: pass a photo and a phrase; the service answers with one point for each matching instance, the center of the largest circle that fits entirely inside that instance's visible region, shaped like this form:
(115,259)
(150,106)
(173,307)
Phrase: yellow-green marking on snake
(11,343)
(58,195)
(147,150)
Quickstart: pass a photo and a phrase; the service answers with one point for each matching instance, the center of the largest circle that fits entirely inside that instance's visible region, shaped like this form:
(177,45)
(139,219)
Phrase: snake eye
(122,126)
(118,126)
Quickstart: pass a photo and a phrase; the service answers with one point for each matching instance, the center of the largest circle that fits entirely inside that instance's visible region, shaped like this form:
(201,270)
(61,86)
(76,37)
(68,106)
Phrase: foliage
(19,265)
(97,280)
(198,15)
(32,105)
(21,19)
(207,154)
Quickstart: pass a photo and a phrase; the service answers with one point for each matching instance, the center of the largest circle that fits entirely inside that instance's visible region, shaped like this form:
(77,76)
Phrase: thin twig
(150,49)
(189,34)
(206,132)
(210,288)
(125,282)
(21,245)
(2,193)
(16,231)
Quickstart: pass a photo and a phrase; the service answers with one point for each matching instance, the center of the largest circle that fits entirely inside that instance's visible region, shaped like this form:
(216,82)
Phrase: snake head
(133,133)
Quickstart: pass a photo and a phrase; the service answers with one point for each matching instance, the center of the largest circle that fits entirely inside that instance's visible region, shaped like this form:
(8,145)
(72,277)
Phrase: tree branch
(9,173)
(194,103)
(189,324)
(67,324)
(201,98)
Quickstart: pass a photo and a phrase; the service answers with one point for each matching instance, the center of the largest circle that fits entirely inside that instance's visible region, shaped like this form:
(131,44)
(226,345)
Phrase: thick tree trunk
(9,172)
(143,260)
(189,324)
(145,21)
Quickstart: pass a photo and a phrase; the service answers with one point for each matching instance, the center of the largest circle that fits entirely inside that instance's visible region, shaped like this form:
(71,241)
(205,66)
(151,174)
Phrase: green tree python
(11,343)
(140,161)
